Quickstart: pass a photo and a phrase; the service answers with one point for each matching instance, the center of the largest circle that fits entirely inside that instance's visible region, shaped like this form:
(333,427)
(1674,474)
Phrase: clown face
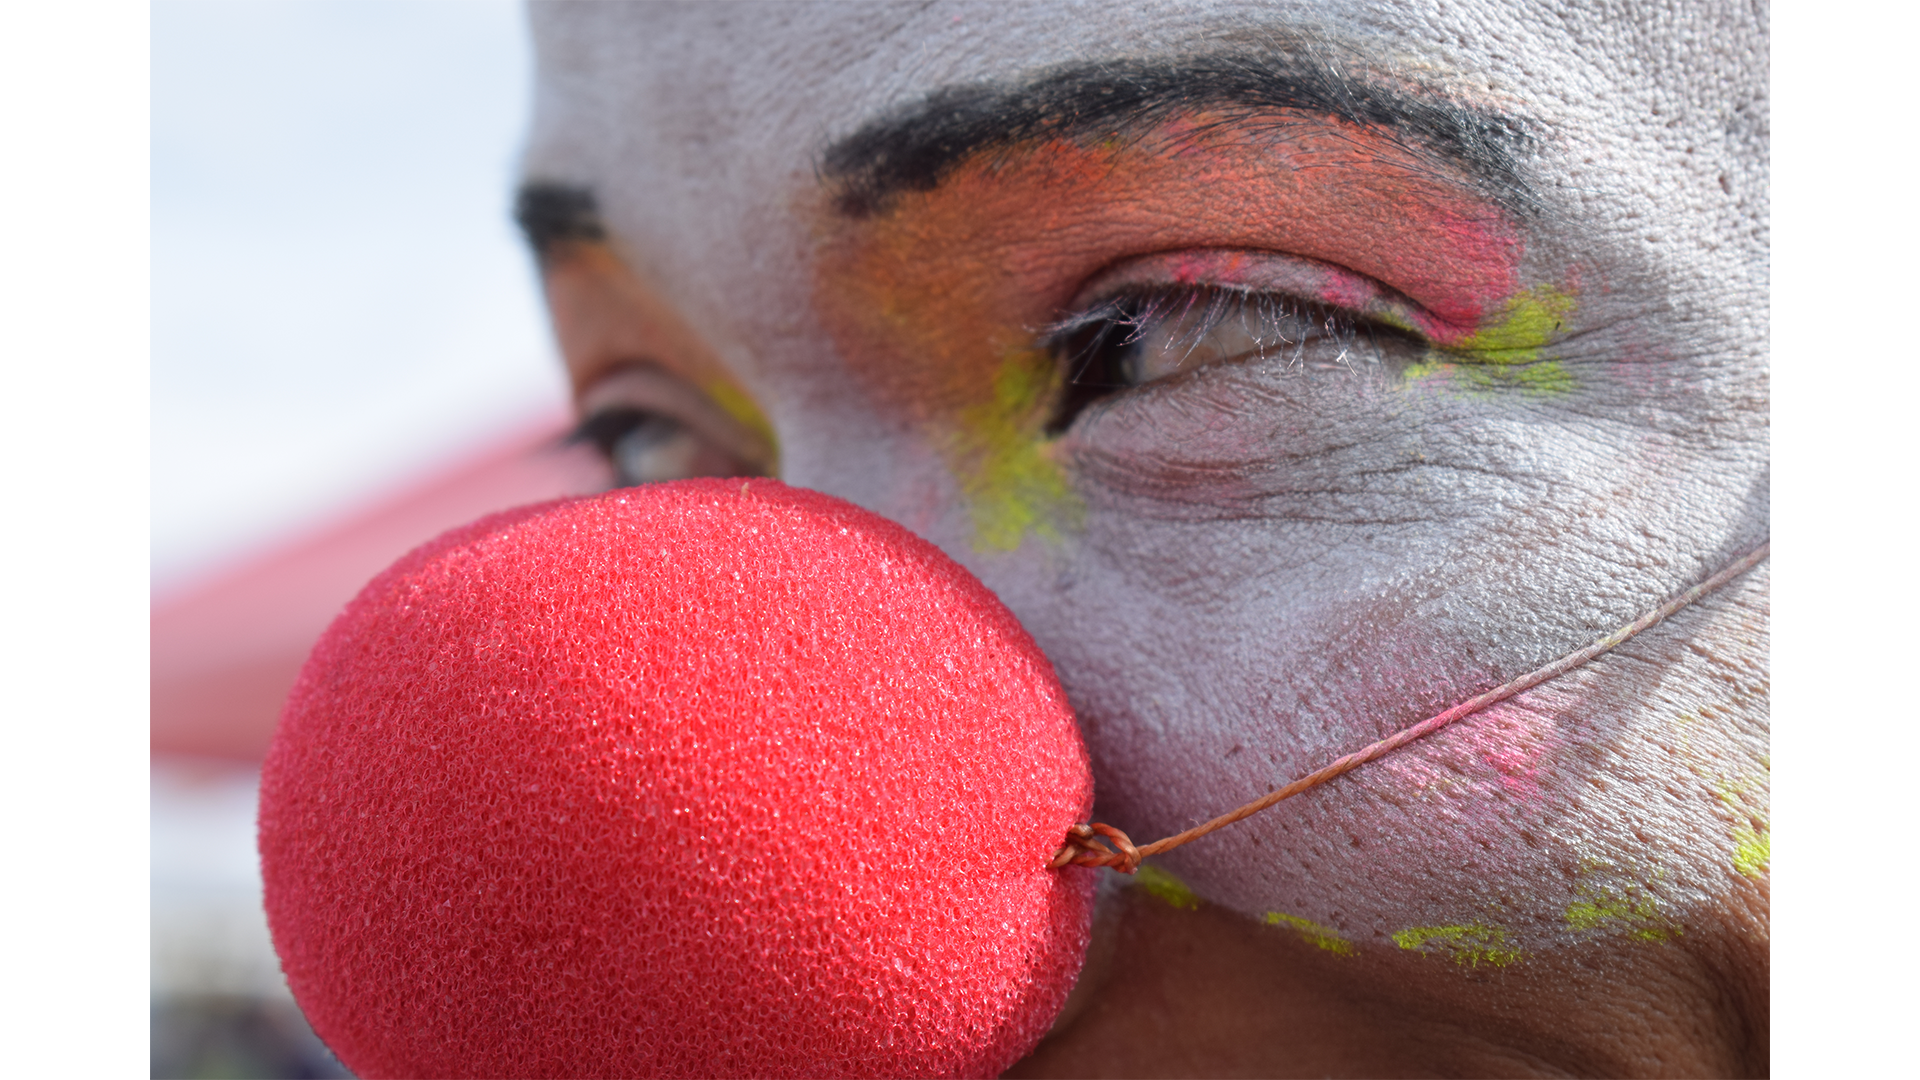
(1293,372)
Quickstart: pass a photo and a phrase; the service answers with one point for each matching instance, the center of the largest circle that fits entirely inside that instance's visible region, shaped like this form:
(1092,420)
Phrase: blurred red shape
(225,650)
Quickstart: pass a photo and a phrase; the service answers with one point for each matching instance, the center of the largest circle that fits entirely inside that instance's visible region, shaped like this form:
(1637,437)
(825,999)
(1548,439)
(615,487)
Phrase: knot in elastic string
(1095,844)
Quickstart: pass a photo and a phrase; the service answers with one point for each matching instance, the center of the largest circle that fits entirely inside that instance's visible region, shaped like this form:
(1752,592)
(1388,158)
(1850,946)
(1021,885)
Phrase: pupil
(641,445)
(1099,359)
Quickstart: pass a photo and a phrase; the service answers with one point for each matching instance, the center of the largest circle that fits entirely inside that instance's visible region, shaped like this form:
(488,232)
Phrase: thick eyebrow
(915,147)
(551,213)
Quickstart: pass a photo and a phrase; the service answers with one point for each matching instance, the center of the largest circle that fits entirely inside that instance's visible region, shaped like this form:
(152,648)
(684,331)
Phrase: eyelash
(1104,349)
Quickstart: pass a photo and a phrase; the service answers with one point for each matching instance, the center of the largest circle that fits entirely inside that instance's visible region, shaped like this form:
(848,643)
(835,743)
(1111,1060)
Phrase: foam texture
(707,778)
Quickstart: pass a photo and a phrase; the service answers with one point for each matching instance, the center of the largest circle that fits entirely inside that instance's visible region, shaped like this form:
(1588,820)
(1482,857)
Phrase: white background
(339,296)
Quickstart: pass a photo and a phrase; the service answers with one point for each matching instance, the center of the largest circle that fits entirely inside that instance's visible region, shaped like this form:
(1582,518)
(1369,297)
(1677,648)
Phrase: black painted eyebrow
(915,147)
(551,213)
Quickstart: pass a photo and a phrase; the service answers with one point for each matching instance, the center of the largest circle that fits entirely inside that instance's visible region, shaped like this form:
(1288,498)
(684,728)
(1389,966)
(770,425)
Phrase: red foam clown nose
(706,778)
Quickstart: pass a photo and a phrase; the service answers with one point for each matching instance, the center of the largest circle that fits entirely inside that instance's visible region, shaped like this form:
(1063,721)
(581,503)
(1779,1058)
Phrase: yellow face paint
(1746,798)
(1612,899)
(1630,910)
(1320,937)
(1509,354)
(738,405)
(1165,887)
(1469,946)
(1012,485)
(1753,850)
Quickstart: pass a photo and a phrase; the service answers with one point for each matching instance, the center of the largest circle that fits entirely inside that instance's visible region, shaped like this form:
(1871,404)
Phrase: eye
(651,426)
(647,447)
(1142,336)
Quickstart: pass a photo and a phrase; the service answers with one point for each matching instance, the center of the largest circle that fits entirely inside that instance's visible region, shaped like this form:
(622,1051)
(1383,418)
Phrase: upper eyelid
(1263,272)
(1212,305)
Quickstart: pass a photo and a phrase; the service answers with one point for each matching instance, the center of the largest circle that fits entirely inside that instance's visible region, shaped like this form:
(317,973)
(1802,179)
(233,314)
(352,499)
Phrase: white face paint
(1553,415)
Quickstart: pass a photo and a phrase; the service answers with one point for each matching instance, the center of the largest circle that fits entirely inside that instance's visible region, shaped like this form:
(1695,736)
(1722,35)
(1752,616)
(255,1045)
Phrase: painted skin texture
(1248,567)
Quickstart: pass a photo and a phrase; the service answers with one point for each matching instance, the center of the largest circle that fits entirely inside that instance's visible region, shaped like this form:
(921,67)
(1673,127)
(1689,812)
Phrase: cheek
(840,443)
(1212,661)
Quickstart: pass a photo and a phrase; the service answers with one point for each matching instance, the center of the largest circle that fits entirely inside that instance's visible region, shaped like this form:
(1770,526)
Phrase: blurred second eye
(653,426)
(645,448)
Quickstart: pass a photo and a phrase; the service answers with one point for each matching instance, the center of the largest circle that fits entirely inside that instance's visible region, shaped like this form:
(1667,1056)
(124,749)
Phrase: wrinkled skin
(1245,567)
